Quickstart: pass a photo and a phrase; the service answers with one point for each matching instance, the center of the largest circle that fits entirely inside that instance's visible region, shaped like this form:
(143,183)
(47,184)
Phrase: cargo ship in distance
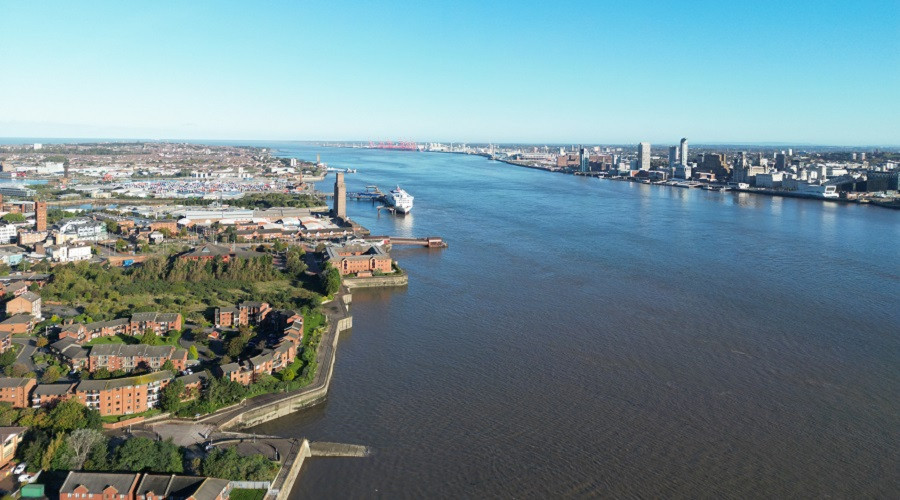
(400,200)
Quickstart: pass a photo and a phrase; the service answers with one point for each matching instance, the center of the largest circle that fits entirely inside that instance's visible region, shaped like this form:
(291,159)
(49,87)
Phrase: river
(583,337)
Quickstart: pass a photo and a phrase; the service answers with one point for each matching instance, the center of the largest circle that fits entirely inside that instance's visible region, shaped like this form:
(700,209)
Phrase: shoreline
(765,192)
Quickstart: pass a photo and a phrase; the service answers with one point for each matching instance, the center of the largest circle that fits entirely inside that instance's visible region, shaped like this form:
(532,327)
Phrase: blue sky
(572,72)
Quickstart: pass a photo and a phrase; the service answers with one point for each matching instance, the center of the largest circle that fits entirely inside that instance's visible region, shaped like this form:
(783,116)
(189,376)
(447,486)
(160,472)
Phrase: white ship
(400,200)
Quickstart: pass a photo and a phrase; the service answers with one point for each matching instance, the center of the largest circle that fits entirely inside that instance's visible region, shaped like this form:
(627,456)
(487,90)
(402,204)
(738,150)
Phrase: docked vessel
(400,200)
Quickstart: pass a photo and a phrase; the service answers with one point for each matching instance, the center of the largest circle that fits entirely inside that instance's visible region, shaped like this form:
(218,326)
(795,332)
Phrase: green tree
(331,280)
(67,416)
(149,337)
(192,352)
(112,227)
(121,245)
(51,374)
(41,342)
(13,218)
(288,374)
(171,396)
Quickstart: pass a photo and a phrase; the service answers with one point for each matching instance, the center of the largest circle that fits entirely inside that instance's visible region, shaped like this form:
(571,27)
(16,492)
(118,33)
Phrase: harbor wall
(376,281)
(303,399)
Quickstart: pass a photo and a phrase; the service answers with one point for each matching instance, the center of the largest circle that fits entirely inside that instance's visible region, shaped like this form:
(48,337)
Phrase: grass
(111,419)
(114,339)
(239,494)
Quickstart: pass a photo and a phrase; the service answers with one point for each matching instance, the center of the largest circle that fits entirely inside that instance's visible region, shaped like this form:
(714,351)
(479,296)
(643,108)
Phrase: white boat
(400,200)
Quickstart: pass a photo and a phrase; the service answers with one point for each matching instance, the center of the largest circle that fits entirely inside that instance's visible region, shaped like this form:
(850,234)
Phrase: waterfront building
(780,161)
(673,156)
(16,191)
(340,196)
(584,159)
(882,181)
(684,151)
(683,172)
(644,156)
(359,259)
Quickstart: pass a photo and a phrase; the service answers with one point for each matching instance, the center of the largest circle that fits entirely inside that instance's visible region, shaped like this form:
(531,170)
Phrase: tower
(340,196)
(673,156)
(40,215)
(644,156)
(684,151)
(584,160)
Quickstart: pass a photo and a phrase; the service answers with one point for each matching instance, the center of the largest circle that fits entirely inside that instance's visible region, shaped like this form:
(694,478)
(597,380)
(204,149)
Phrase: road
(28,349)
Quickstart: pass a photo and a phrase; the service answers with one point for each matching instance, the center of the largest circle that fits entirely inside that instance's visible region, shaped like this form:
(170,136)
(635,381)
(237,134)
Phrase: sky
(596,72)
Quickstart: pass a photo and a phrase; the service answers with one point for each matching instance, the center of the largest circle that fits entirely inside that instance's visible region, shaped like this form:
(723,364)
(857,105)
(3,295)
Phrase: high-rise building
(584,160)
(340,196)
(673,156)
(780,161)
(684,151)
(644,156)
(40,215)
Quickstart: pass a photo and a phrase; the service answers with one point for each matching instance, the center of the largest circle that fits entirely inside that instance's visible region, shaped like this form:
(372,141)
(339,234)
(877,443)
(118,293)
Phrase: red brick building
(16,391)
(98,486)
(354,259)
(50,394)
(123,396)
(130,357)
(160,323)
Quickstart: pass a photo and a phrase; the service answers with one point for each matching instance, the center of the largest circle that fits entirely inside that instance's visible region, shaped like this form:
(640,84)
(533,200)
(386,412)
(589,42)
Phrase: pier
(430,242)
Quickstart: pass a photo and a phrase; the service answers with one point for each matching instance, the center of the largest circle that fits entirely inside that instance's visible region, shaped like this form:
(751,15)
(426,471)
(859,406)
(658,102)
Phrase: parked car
(20,468)
(26,478)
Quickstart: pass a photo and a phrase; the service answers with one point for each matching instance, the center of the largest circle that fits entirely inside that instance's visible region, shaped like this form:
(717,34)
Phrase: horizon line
(361,141)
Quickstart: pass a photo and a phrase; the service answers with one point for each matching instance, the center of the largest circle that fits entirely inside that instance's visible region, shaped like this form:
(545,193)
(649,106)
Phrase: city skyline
(472,73)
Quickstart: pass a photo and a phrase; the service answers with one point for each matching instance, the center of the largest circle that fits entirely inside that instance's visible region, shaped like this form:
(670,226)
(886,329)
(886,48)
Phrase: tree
(331,280)
(142,454)
(101,374)
(67,416)
(121,245)
(52,447)
(171,396)
(17,370)
(41,342)
(51,374)
(149,337)
(168,365)
(288,374)
(192,352)
(81,443)
(13,218)
(112,227)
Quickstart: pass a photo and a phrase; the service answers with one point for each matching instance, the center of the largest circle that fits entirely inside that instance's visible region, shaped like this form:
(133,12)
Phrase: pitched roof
(102,385)
(7,382)
(30,296)
(198,488)
(52,389)
(96,482)
(98,325)
(18,319)
(130,351)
